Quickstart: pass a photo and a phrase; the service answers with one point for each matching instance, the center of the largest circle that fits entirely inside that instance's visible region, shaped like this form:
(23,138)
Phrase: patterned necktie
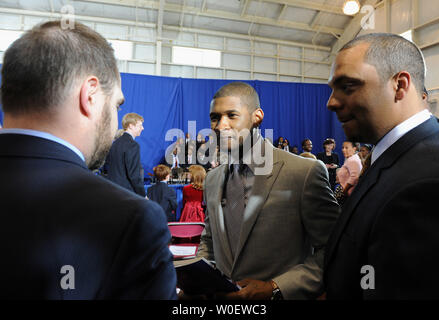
(234,208)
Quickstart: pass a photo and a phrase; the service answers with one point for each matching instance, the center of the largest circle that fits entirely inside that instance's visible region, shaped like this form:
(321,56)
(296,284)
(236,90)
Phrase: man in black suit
(384,243)
(65,232)
(123,160)
(161,193)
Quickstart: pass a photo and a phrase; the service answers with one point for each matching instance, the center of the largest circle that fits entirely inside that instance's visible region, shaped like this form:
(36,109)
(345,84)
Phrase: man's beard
(103,140)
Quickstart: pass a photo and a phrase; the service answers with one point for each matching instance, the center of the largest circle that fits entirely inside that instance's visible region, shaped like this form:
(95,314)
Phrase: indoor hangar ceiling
(311,22)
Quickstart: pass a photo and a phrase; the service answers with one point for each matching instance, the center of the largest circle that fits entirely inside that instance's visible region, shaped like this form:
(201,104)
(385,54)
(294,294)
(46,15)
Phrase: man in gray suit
(266,229)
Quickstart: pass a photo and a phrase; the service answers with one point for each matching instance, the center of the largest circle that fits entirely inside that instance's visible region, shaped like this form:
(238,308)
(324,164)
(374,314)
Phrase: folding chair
(185,239)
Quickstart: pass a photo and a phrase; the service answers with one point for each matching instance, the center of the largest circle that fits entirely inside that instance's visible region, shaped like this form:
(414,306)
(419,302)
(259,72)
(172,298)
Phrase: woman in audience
(364,151)
(349,173)
(280,142)
(286,145)
(330,159)
(193,210)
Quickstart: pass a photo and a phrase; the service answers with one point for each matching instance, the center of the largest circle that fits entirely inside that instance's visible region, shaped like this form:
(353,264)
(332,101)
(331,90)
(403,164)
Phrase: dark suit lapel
(370,178)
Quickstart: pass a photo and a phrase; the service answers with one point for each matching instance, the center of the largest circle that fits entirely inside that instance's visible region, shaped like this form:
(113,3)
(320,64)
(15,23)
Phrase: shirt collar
(44,135)
(396,133)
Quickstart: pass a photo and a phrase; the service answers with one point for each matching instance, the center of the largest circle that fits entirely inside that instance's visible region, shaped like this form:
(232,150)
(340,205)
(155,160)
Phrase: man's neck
(130,133)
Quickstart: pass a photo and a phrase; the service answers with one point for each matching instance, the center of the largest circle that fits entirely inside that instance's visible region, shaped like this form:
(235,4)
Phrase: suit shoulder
(214,172)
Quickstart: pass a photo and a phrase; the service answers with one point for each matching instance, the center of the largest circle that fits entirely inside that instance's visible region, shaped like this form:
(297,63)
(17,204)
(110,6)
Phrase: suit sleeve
(143,267)
(403,244)
(172,198)
(319,211)
(132,163)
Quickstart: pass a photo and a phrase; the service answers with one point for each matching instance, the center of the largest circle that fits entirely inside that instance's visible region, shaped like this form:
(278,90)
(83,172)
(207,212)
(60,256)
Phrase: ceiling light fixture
(351,7)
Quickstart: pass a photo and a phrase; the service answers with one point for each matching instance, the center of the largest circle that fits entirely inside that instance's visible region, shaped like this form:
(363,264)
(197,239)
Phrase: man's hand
(252,290)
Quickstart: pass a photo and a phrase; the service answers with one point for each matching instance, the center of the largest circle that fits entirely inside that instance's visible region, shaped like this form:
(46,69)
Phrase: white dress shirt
(396,133)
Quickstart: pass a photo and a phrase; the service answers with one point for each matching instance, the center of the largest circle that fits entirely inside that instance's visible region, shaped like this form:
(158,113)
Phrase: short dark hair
(161,172)
(244,91)
(328,141)
(41,66)
(390,54)
(305,140)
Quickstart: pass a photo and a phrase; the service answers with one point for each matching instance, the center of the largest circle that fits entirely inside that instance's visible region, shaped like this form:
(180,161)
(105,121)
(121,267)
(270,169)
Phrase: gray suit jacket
(287,221)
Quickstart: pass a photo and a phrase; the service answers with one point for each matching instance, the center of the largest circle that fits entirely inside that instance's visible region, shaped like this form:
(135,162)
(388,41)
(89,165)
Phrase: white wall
(421,16)
(242,57)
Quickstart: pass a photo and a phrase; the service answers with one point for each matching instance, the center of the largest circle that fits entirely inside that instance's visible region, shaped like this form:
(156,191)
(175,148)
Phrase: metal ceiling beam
(245,7)
(307,4)
(232,35)
(351,30)
(282,12)
(224,15)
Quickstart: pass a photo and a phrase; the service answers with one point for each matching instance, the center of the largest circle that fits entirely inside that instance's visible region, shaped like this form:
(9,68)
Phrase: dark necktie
(234,208)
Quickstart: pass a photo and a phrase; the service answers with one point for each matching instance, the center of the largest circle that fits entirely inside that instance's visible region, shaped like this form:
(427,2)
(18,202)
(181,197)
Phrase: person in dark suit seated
(385,240)
(161,193)
(123,160)
(65,232)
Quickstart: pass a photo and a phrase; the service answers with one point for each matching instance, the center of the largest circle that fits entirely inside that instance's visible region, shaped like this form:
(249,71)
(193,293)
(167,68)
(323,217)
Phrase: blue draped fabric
(293,110)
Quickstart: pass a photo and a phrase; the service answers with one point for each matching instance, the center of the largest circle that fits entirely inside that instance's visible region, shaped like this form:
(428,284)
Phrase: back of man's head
(244,91)
(40,68)
(391,54)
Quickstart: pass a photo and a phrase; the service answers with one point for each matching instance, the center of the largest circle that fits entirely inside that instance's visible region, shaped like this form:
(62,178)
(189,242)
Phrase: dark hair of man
(244,91)
(304,142)
(328,141)
(41,66)
(391,54)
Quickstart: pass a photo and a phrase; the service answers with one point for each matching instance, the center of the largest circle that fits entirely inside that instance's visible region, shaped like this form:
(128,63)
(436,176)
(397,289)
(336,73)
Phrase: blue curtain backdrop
(293,110)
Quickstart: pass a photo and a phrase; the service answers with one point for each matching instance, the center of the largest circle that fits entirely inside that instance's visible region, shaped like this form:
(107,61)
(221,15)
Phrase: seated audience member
(193,210)
(286,145)
(349,173)
(280,143)
(65,232)
(307,145)
(308,155)
(161,193)
(295,150)
(330,159)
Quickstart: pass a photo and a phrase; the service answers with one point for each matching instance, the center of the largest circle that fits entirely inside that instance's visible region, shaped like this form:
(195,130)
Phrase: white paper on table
(183,250)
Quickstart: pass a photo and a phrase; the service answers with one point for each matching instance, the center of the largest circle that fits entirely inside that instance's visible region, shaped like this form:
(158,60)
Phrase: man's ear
(88,95)
(401,83)
(257,117)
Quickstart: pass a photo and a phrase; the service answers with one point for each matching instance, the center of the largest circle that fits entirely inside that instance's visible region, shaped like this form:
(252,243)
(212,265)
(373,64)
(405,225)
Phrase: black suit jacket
(390,223)
(123,164)
(56,213)
(165,196)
